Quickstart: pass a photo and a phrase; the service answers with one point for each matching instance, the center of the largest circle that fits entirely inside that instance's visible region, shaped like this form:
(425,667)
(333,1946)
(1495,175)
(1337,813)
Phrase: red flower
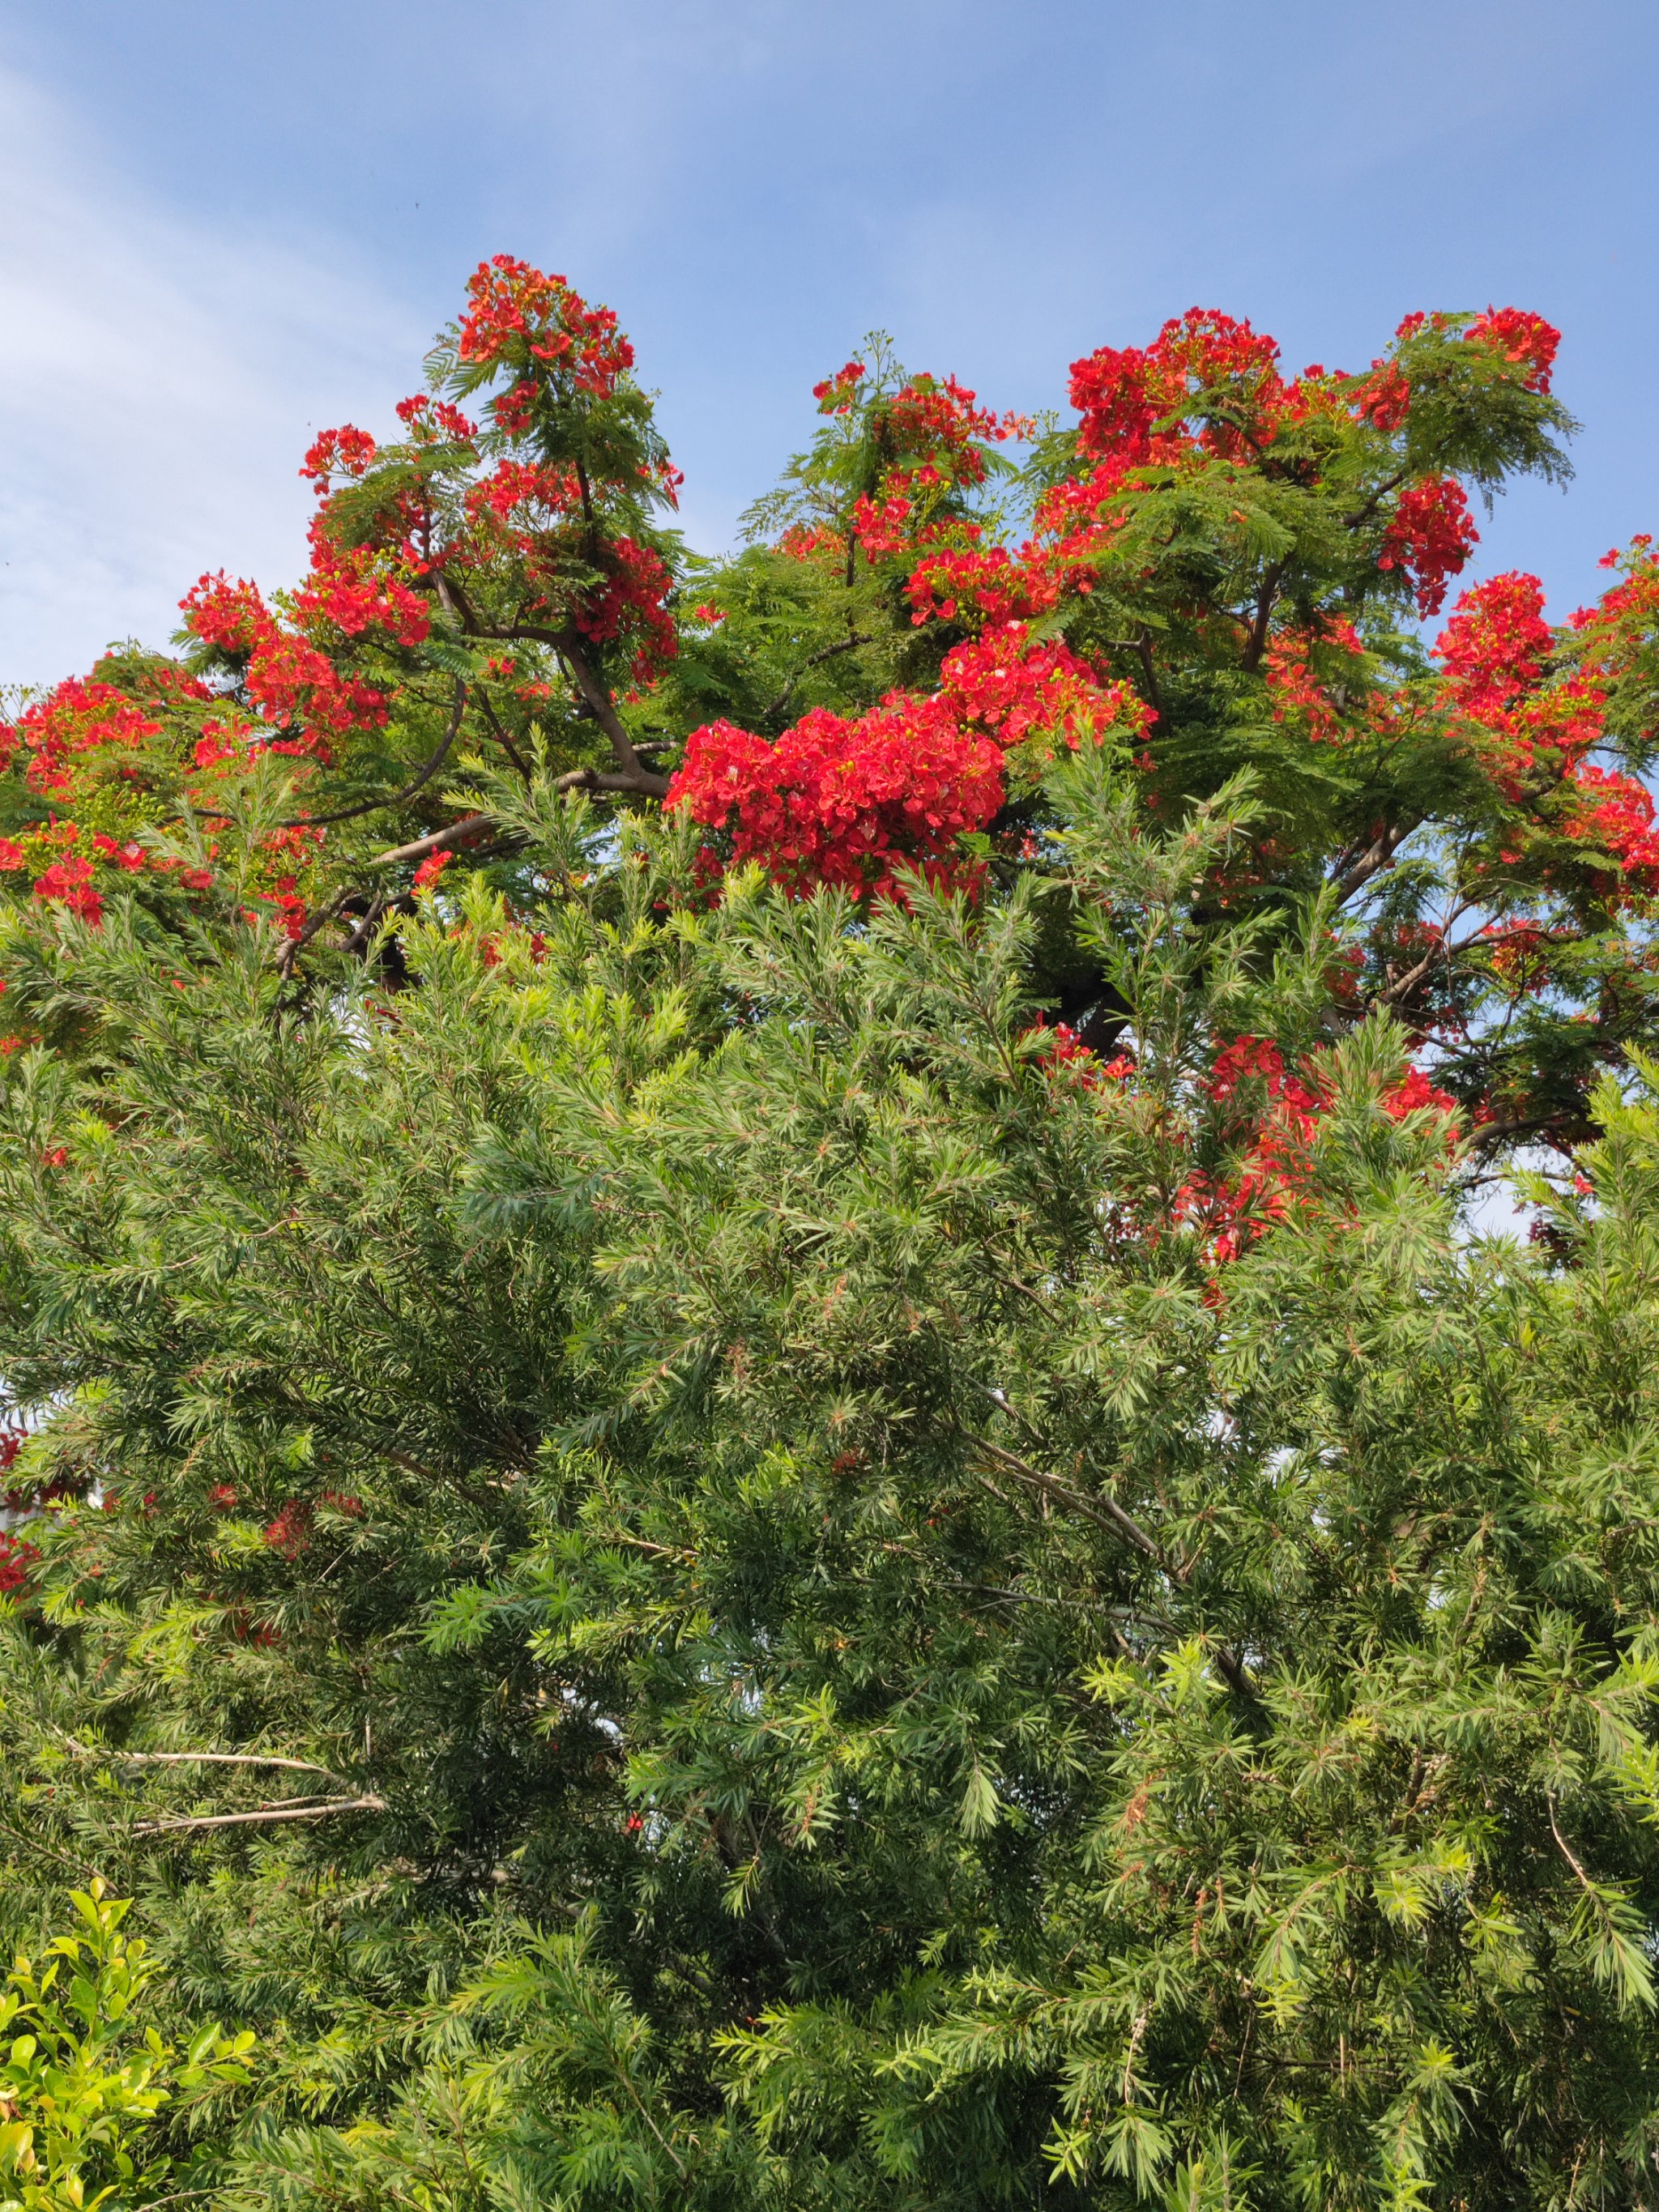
(18,1558)
(1619,822)
(290,1532)
(68,882)
(346,452)
(836,394)
(841,802)
(521,317)
(1526,338)
(1431,537)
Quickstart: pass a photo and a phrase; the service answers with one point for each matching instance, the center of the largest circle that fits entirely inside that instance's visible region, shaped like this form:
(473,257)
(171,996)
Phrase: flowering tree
(755,1459)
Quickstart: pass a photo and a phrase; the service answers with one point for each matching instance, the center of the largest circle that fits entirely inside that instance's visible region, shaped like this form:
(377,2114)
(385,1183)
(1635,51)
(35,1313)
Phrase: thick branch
(441,840)
(599,704)
(1378,855)
(1266,601)
(590,779)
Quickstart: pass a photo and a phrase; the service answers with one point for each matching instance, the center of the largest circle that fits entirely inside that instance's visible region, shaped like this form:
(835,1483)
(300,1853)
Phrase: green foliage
(835,1656)
(81,2087)
(697,1564)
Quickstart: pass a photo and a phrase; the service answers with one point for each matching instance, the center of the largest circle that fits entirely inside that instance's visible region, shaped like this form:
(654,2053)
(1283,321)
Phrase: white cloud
(159,382)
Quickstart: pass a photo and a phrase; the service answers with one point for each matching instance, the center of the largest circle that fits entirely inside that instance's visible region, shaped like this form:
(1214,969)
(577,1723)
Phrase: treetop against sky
(194,284)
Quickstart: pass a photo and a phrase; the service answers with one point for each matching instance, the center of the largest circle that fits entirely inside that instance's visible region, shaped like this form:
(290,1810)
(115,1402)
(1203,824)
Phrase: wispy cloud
(159,381)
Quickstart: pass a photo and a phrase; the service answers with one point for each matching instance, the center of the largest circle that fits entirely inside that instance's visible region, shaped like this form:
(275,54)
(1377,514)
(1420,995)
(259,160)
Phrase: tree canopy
(764,1454)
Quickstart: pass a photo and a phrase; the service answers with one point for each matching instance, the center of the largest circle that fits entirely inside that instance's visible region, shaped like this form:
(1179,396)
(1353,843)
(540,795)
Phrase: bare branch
(262,1815)
(648,784)
(1113,1517)
(1378,855)
(204,1759)
(441,840)
(1122,1525)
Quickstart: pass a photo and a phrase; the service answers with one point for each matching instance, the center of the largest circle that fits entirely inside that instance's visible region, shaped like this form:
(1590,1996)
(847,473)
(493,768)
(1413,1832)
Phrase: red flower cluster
(18,1559)
(1617,817)
(845,802)
(346,452)
(1495,644)
(78,718)
(1062,1052)
(290,1532)
(289,681)
(1384,397)
(1295,689)
(931,437)
(430,421)
(351,588)
(1134,402)
(1431,537)
(631,604)
(989,585)
(1525,338)
(836,394)
(430,869)
(521,319)
(1015,690)
(1496,651)
(938,419)
(68,883)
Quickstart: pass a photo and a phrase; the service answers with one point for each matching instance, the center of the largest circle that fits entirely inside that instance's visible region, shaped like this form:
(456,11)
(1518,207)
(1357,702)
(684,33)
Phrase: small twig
(1563,1846)
(848,644)
(1121,1524)
(396,798)
(1114,1516)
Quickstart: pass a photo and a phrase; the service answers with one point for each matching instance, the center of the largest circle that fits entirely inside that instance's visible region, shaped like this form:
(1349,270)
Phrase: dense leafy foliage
(761,1459)
(82,2087)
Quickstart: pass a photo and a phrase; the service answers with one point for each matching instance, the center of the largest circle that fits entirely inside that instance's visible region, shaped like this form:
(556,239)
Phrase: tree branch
(318,920)
(1122,1525)
(202,1759)
(441,840)
(598,702)
(1113,1517)
(397,798)
(589,779)
(1265,600)
(848,644)
(262,1815)
(1378,855)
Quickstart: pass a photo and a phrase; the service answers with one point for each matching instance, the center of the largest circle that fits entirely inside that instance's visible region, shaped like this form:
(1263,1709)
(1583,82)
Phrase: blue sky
(226,225)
